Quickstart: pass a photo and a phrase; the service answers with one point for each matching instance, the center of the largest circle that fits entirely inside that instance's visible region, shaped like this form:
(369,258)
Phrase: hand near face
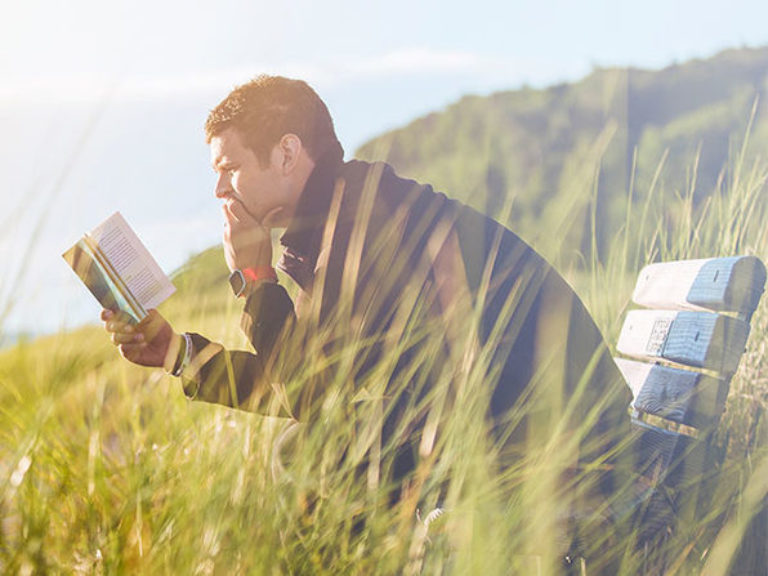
(151,342)
(247,242)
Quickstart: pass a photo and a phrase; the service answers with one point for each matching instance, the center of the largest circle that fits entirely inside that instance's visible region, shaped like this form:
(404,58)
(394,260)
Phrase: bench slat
(662,453)
(698,339)
(675,461)
(720,284)
(683,396)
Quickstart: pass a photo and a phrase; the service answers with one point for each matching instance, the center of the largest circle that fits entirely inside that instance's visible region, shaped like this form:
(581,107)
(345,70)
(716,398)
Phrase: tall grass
(730,221)
(105,468)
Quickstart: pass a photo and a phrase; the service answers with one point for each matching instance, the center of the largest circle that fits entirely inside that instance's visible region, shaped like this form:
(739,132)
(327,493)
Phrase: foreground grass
(106,468)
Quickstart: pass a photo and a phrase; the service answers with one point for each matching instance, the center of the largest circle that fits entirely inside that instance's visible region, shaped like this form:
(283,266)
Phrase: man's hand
(151,342)
(247,242)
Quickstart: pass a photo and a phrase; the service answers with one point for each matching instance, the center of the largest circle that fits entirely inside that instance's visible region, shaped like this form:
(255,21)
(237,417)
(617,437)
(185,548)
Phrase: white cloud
(415,61)
(91,89)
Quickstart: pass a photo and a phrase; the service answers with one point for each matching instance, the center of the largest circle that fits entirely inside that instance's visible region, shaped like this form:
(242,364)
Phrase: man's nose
(223,187)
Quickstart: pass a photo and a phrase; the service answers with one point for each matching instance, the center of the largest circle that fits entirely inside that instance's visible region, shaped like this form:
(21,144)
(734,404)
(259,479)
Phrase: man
(427,295)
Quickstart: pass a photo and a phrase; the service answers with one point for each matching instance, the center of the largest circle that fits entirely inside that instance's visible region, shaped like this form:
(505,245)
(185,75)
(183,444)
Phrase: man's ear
(290,147)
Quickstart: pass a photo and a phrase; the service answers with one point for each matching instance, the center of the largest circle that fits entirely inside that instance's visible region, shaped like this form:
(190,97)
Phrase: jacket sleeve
(237,378)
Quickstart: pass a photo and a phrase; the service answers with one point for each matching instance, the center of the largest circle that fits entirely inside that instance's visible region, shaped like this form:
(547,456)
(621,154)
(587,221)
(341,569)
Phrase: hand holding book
(151,342)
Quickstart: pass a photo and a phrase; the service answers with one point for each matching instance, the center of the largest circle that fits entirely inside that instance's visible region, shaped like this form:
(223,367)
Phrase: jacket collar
(304,234)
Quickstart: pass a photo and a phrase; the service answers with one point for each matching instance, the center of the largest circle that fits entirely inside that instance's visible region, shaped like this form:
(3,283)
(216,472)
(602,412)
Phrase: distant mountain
(569,154)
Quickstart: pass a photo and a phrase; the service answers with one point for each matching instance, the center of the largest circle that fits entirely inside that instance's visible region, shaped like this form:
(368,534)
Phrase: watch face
(237,281)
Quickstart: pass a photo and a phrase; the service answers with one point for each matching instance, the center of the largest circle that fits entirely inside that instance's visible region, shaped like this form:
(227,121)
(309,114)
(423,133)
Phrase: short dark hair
(268,107)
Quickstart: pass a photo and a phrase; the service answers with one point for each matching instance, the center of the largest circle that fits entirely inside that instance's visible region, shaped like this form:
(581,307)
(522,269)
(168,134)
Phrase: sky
(102,102)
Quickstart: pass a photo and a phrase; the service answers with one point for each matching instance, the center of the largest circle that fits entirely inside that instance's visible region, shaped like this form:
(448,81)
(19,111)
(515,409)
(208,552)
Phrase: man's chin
(273,221)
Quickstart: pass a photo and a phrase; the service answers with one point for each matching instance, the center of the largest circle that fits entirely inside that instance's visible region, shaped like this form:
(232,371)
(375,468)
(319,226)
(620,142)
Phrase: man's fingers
(228,216)
(115,326)
(237,215)
(235,210)
(231,221)
(243,214)
(119,338)
(241,236)
(117,317)
(247,242)
(132,352)
(152,318)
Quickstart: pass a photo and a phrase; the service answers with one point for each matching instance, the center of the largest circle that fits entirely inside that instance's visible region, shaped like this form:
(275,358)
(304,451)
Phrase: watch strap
(242,280)
(259,274)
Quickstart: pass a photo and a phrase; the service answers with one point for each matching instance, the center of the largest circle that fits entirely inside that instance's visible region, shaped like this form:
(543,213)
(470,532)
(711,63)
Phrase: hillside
(560,153)
(108,469)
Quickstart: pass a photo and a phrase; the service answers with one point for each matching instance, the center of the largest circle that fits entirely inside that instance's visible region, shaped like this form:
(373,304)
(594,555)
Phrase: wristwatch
(241,278)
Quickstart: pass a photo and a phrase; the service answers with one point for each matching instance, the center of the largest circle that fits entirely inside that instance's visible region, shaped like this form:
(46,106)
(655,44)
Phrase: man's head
(268,107)
(266,137)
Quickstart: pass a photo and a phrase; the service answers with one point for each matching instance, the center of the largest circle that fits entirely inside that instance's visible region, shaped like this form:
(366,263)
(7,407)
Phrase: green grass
(105,468)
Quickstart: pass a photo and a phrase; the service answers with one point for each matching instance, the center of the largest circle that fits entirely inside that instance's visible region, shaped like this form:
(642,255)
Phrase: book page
(132,261)
(97,279)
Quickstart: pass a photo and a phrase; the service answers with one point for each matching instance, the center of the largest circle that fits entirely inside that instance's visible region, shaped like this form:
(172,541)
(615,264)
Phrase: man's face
(264,191)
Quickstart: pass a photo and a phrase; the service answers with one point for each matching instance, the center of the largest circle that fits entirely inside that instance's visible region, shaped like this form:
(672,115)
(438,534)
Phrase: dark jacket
(381,259)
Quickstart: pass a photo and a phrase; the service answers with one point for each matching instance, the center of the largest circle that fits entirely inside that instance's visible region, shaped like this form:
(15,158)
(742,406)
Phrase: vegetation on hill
(569,155)
(105,468)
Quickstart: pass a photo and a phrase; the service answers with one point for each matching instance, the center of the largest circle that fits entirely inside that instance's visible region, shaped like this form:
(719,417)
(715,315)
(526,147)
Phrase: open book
(118,269)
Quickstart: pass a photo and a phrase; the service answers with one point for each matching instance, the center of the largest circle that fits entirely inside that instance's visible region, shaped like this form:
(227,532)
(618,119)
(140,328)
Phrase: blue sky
(77,50)
(101,102)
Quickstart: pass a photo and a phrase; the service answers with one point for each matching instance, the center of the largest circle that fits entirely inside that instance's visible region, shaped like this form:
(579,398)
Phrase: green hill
(560,153)
(106,468)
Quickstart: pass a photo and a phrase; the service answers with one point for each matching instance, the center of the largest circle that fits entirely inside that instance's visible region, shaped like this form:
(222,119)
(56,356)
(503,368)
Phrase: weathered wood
(673,469)
(676,462)
(698,339)
(682,396)
(720,284)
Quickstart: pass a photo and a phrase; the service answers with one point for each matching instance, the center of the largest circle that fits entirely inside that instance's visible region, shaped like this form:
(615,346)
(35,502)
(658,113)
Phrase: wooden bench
(678,353)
